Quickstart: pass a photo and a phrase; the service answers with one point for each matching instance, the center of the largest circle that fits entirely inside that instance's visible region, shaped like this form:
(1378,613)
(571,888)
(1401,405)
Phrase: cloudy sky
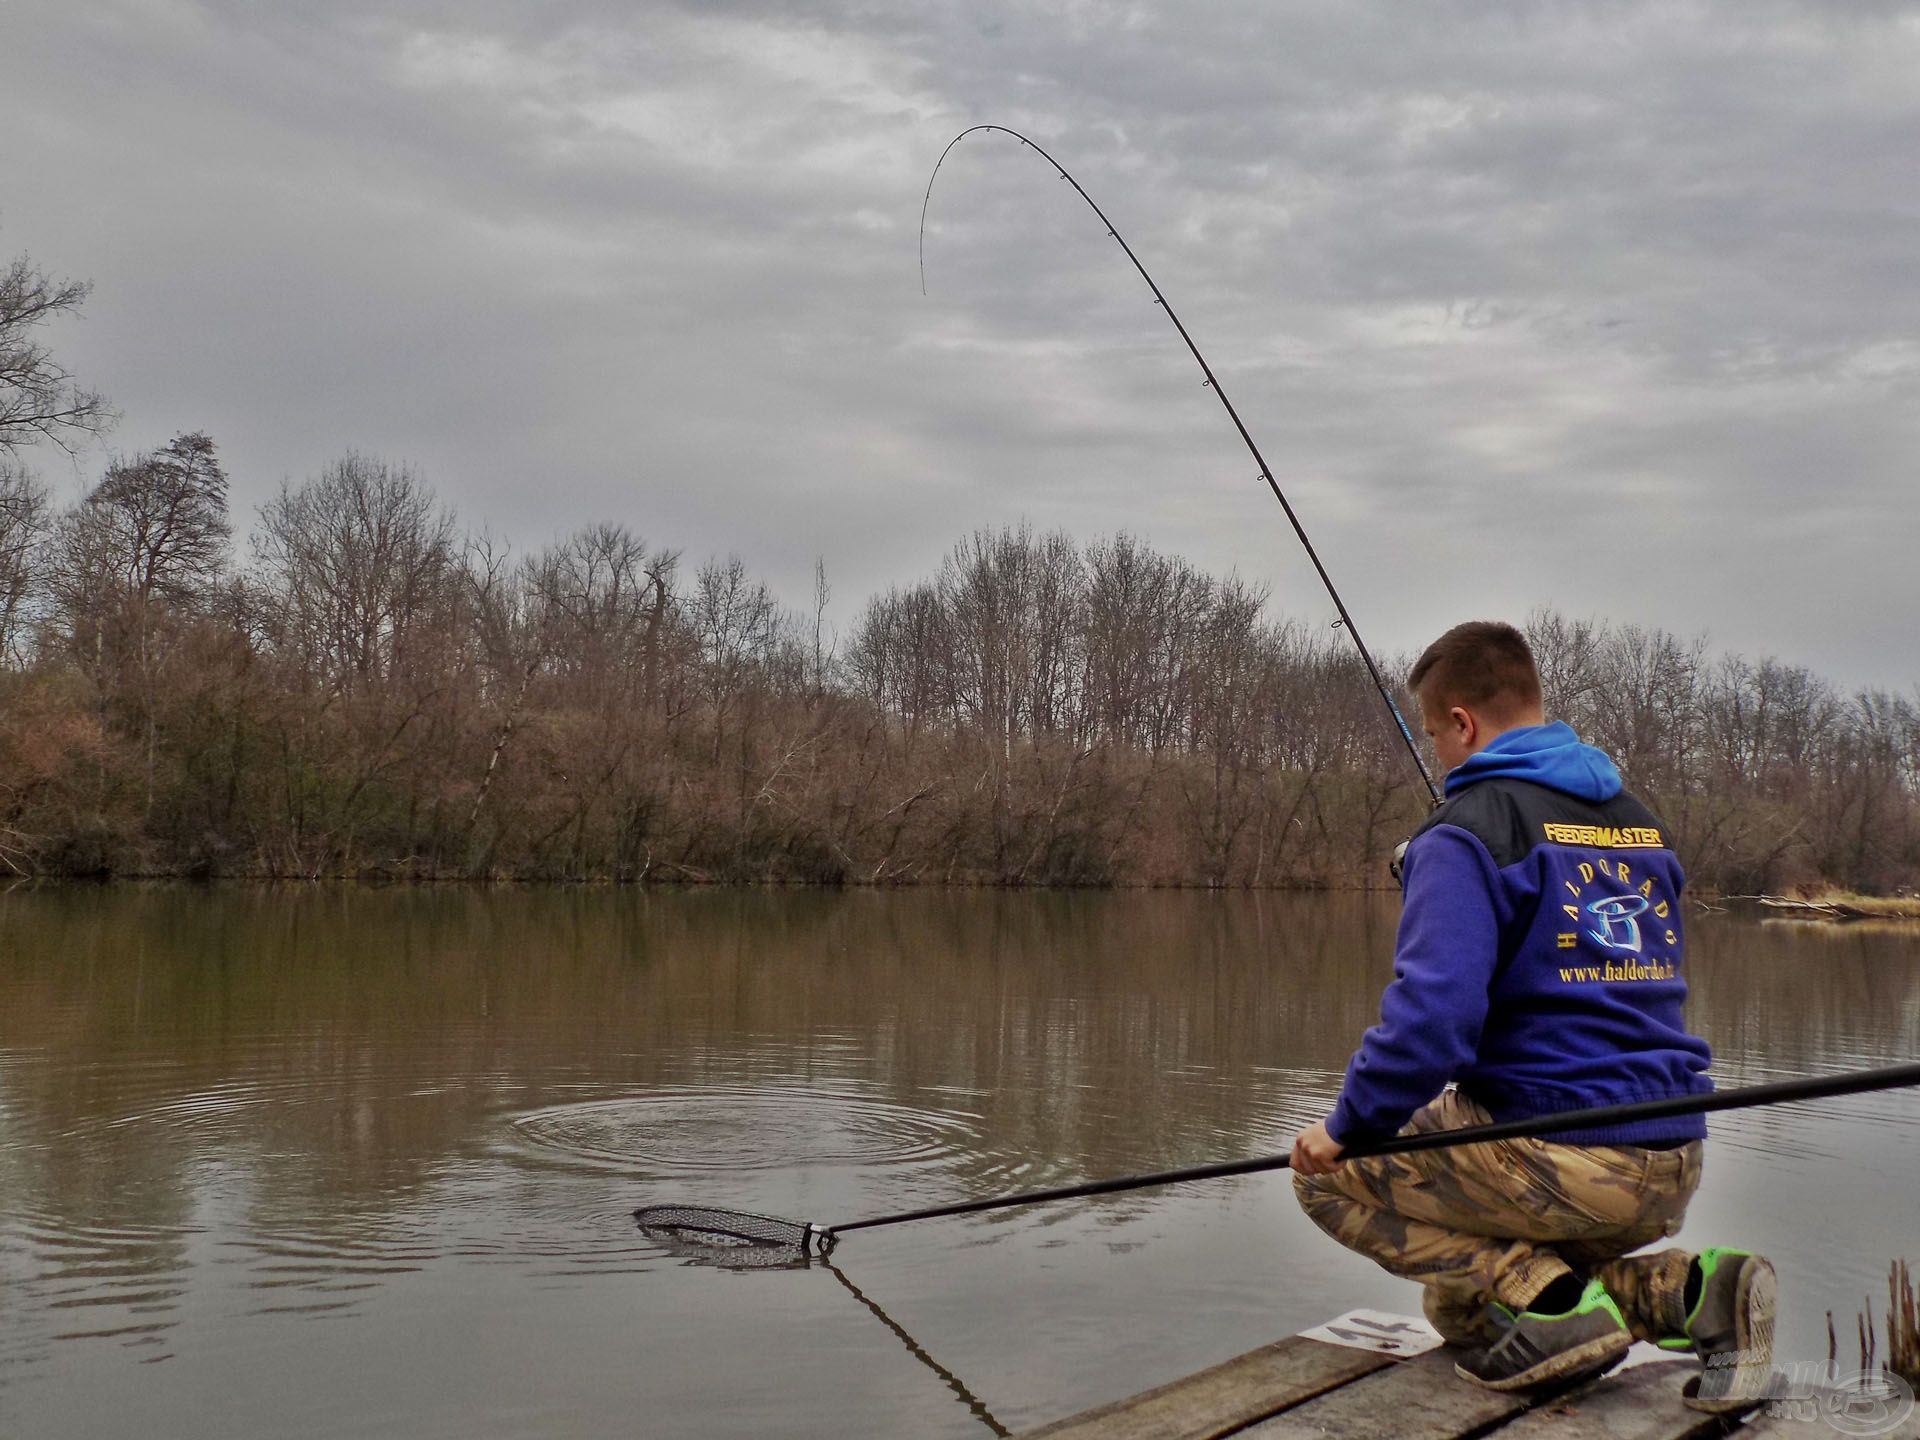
(1610,307)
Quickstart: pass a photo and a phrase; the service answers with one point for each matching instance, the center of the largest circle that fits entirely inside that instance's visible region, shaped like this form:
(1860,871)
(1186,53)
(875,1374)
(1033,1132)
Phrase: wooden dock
(1301,1387)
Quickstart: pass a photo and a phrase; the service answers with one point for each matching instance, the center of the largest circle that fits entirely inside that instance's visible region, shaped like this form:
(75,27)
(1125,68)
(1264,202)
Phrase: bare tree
(899,659)
(361,605)
(600,598)
(512,647)
(1868,826)
(156,527)
(823,648)
(23,530)
(1568,654)
(145,547)
(737,621)
(602,603)
(356,564)
(38,398)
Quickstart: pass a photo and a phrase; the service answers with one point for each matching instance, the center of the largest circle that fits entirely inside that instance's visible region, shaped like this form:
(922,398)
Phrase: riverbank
(1831,906)
(680,877)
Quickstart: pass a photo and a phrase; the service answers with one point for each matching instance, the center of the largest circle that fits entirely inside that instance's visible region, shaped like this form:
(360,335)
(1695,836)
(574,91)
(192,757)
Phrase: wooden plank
(1418,1399)
(1642,1403)
(1226,1398)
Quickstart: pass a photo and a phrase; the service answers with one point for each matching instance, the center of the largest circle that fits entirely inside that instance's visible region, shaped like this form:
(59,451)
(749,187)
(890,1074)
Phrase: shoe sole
(1583,1362)
(1739,1387)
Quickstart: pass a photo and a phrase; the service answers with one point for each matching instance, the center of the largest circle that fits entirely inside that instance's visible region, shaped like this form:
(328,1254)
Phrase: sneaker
(1731,1329)
(1536,1349)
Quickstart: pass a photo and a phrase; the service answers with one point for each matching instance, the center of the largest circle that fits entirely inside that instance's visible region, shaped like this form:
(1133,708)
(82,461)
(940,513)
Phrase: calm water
(342,1163)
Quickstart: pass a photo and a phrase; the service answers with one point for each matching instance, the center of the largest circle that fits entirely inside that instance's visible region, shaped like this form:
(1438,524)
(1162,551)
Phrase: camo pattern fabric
(1503,1219)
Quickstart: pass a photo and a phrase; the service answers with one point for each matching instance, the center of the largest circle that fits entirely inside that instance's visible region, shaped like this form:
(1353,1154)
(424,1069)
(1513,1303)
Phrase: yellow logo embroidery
(1612,922)
(1606,837)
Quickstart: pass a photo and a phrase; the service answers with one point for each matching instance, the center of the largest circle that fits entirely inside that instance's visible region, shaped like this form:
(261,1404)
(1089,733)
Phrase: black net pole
(1777,1093)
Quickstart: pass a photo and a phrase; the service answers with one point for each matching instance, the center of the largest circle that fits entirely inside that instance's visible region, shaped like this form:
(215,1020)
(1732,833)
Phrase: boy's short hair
(1483,663)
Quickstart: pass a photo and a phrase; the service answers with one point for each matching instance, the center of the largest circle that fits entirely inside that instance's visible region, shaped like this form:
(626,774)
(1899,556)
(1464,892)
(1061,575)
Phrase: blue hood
(1550,755)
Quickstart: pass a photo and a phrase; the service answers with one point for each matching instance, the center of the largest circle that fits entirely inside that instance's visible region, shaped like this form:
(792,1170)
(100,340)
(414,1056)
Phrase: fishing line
(1211,382)
(975,1405)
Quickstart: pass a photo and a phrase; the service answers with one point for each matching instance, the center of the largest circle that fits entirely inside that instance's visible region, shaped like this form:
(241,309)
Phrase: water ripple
(700,1131)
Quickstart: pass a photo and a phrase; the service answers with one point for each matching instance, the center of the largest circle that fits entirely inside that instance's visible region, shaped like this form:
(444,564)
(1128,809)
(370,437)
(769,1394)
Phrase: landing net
(736,1234)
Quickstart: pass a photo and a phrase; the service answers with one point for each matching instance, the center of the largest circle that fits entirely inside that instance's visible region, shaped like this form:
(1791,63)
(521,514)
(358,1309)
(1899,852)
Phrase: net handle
(1776,1093)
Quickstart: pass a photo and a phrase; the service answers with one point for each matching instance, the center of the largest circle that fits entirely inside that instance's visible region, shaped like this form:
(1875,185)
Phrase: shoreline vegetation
(362,690)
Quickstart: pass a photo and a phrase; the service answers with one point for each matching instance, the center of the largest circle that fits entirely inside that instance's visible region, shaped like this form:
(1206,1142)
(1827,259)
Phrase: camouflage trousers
(1503,1219)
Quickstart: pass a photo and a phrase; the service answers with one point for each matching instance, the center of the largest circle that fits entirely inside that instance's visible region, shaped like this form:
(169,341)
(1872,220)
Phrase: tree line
(366,690)
(359,687)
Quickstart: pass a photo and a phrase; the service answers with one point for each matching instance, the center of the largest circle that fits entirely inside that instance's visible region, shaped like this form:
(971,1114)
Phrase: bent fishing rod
(717,1231)
(1211,382)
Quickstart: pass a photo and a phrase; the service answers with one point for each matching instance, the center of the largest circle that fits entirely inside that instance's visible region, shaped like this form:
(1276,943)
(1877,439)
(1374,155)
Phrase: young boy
(1538,970)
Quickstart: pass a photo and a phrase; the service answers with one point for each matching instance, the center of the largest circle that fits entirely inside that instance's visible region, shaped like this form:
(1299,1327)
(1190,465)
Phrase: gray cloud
(1602,306)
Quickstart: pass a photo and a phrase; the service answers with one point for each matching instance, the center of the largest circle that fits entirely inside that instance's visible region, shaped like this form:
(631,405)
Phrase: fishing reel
(1398,862)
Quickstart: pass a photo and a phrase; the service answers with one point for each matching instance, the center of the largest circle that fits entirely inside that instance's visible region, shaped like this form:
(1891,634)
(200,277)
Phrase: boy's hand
(1315,1152)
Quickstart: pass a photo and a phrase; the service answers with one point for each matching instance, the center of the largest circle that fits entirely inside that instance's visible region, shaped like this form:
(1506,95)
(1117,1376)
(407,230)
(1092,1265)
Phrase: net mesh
(736,1233)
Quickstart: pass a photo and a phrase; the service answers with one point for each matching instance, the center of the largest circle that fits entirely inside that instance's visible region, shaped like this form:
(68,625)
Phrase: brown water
(341,1163)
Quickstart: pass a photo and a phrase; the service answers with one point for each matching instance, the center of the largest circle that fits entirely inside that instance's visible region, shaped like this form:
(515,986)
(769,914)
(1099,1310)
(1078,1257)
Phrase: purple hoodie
(1539,954)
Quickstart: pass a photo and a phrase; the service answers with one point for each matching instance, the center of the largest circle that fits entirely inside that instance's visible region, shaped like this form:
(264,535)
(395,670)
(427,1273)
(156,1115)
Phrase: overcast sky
(1610,307)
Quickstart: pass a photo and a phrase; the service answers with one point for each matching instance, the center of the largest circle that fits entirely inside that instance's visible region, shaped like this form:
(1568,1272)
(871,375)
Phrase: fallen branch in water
(1841,908)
